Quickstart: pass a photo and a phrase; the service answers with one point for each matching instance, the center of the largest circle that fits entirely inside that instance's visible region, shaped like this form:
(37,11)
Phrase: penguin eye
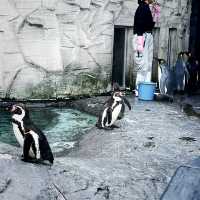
(18,111)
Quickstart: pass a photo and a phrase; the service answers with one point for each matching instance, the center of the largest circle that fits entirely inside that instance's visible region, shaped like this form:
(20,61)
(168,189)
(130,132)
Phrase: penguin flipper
(127,103)
(106,102)
(121,114)
(109,115)
(45,149)
(28,140)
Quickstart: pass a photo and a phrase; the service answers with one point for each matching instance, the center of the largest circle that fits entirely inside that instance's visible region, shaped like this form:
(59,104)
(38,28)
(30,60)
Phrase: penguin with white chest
(113,111)
(30,137)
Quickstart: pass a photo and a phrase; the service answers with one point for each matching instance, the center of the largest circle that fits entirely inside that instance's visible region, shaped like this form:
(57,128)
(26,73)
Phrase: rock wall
(59,48)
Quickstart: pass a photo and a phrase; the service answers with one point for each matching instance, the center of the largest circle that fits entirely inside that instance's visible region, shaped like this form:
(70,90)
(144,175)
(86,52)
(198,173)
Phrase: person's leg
(149,56)
(140,77)
(134,44)
(138,64)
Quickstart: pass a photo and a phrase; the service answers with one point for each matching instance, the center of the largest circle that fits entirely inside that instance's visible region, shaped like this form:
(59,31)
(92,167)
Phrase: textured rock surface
(53,48)
(116,164)
(184,185)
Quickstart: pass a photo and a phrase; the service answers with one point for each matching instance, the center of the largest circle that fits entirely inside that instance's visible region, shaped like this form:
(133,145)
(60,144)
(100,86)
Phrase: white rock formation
(56,48)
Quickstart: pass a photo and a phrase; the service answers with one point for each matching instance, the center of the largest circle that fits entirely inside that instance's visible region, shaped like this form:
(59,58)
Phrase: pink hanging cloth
(140,43)
(155,10)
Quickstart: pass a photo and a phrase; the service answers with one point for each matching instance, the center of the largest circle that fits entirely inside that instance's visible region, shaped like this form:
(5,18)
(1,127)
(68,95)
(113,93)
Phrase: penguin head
(116,87)
(18,110)
(117,96)
(161,61)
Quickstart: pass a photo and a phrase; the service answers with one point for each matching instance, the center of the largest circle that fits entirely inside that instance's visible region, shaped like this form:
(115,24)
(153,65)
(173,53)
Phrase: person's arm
(139,21)
(143,20)
(149,19)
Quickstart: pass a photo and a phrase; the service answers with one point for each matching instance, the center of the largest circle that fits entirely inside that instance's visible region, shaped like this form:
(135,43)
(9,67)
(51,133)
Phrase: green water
(63,127)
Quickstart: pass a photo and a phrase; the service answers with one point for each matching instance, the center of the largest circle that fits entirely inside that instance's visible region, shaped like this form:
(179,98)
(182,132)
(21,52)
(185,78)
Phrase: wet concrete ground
(153,140)
(133,162)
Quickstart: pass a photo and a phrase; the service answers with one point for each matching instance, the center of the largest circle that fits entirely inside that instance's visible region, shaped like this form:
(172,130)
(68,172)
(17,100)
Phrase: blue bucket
(146,90)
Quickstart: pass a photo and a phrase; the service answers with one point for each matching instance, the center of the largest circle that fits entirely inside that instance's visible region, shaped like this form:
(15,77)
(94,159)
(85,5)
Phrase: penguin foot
(30,160)
(37,161)
(114,126)
(24,159)
(33,161)
(108,128)
(98,126)
(120,117)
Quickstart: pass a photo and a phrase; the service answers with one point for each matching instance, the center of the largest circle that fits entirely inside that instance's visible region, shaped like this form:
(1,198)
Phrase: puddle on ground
(188,139)
(63,127)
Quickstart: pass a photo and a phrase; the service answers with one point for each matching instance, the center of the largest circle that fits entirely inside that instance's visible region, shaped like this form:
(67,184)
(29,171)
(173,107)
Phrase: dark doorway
(194,45)
(118,56)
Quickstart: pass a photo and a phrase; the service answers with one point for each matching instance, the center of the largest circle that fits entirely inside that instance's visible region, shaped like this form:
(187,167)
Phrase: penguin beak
(8,108)
(11,108)
(122,93)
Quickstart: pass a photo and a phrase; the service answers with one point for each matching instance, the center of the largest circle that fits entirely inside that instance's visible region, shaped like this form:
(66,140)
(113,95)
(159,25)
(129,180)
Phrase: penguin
(166,78)
(124,102)
(114,110)
(29,136)
(181,71)
(116,88)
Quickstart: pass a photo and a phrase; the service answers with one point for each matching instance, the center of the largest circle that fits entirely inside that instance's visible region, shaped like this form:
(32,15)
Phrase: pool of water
(63,127)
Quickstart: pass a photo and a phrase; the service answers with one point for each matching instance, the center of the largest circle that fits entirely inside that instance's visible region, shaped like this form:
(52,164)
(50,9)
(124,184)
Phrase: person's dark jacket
(143,20)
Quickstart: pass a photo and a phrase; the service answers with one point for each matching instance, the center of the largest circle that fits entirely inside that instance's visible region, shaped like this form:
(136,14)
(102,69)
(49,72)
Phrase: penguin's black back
(110,102)
(45,150)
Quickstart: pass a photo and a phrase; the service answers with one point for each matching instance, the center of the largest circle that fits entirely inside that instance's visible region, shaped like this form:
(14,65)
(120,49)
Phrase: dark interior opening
(118,56)
(194,45)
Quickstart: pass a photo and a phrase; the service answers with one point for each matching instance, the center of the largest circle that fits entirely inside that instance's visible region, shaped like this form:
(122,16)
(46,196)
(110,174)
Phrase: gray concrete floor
(134,162)
(145,150)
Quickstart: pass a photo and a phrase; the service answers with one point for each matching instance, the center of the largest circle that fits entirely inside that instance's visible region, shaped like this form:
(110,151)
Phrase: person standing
(143,42)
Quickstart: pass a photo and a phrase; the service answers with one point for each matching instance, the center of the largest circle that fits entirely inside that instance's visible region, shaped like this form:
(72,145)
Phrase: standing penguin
(116,88)
(181,71)
(114,110)
(29,136)
(166,78)
(124,102)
